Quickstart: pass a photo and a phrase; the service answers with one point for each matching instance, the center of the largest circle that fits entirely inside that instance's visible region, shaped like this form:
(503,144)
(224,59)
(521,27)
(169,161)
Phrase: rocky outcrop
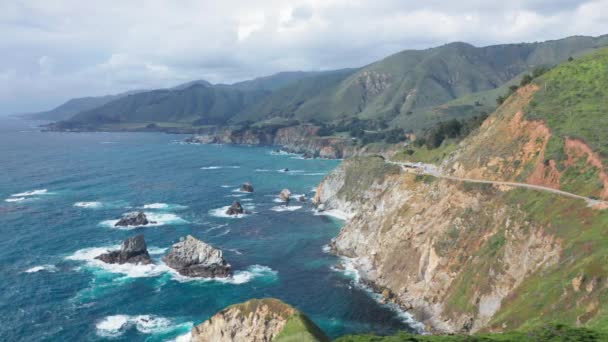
(133,219)
(462,256)
(194,258)
(285,195)
(300,139)
(133,251)
(246,187)
(258,320)
(235,209)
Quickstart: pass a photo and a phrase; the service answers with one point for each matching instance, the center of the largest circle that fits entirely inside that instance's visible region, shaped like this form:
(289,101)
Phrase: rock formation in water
(246,187)
(285,195)
(258,320)
(133,251)
(194,258)
(133,219)
(235,209)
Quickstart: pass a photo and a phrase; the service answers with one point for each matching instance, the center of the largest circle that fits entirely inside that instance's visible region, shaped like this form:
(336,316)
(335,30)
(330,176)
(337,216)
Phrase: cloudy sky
(51,51)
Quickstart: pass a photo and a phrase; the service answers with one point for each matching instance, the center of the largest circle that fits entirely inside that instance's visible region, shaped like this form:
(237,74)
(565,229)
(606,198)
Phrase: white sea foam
(335,213)
(350,270)
(233,250)
(159,219)
(15,199)
(31,193)
(326,249)
(88,255)
(220,167)
(218,226)
(156,250)
(117,325)
(262,170)
(221,212)
(237,195)
(281,208)
(164,206)
(311,174)
(223,233)
(48,268)
(187,337)
(89,205)
(238,278)
(227,186)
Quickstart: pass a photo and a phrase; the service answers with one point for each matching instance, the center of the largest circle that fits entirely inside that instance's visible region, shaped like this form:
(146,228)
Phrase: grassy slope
(440,75)
(411,89)
(573,101)
(551,333)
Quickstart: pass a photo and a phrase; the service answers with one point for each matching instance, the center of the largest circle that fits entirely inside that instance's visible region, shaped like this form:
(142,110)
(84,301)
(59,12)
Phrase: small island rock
(246,187)
(133,219)
(133,251)
(194,258)
(285,195)
(235,209)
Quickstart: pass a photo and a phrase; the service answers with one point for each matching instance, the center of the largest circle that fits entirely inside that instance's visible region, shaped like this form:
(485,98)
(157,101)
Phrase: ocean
(60,194)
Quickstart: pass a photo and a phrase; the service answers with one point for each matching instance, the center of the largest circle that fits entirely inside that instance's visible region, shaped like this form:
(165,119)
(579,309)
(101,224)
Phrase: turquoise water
(59,193)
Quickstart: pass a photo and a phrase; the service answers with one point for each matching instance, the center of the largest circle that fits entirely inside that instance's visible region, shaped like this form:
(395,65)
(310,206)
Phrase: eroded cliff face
(296,139)
(463,256)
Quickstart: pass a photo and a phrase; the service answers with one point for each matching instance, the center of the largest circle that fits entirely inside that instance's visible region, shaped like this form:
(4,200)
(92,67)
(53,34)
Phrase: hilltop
(411,90)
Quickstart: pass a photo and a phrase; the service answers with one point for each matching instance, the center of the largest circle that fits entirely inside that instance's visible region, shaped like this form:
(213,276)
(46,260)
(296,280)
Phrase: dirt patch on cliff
(544,172)
(577,149)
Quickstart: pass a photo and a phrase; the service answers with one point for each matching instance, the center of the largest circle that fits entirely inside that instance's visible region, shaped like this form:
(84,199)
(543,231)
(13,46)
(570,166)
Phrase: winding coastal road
(432,170)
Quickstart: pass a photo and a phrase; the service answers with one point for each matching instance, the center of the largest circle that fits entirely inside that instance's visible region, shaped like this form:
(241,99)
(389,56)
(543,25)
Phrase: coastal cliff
(300,139)
(467,257)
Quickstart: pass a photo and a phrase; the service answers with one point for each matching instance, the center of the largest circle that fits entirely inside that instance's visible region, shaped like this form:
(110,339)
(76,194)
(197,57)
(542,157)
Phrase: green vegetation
(301,329)
(362,172)
(411,90)
(549,295)
(549,333)
(572,101)
(425,155)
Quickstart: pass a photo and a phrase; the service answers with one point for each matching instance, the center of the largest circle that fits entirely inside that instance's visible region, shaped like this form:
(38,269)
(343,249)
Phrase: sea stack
(133,251)
(133,219)
(285,195)
(235,209)
(246,187)
(192,257)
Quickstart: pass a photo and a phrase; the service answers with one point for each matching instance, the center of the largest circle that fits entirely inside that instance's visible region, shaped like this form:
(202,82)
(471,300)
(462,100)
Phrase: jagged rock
(285,195)
(285,170)
(133,219)
(258,320)
(302,198)
(194,258)
(235,209)
(247,187)
(133,251)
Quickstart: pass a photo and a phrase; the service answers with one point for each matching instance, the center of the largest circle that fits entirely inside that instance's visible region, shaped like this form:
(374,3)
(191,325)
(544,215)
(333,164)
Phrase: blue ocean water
(59,193)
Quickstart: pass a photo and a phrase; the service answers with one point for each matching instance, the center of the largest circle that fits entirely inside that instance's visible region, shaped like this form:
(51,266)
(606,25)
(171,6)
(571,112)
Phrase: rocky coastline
(301,139)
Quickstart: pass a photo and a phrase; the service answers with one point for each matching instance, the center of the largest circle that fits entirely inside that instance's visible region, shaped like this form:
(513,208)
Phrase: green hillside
(413,89)
(199,103)
(75,106)
(409,88)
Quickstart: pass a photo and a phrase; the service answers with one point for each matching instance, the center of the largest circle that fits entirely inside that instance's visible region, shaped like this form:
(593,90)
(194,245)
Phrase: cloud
(52,51)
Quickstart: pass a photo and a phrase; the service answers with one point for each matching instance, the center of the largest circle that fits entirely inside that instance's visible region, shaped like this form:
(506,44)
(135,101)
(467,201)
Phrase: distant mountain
(200,103)
(75,106)
(393,89)
(412,89)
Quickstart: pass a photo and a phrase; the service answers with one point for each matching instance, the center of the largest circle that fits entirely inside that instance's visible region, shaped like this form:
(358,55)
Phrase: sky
(51,51)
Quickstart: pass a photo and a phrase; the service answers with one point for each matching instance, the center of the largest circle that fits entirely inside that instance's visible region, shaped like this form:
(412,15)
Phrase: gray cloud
(52,51)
